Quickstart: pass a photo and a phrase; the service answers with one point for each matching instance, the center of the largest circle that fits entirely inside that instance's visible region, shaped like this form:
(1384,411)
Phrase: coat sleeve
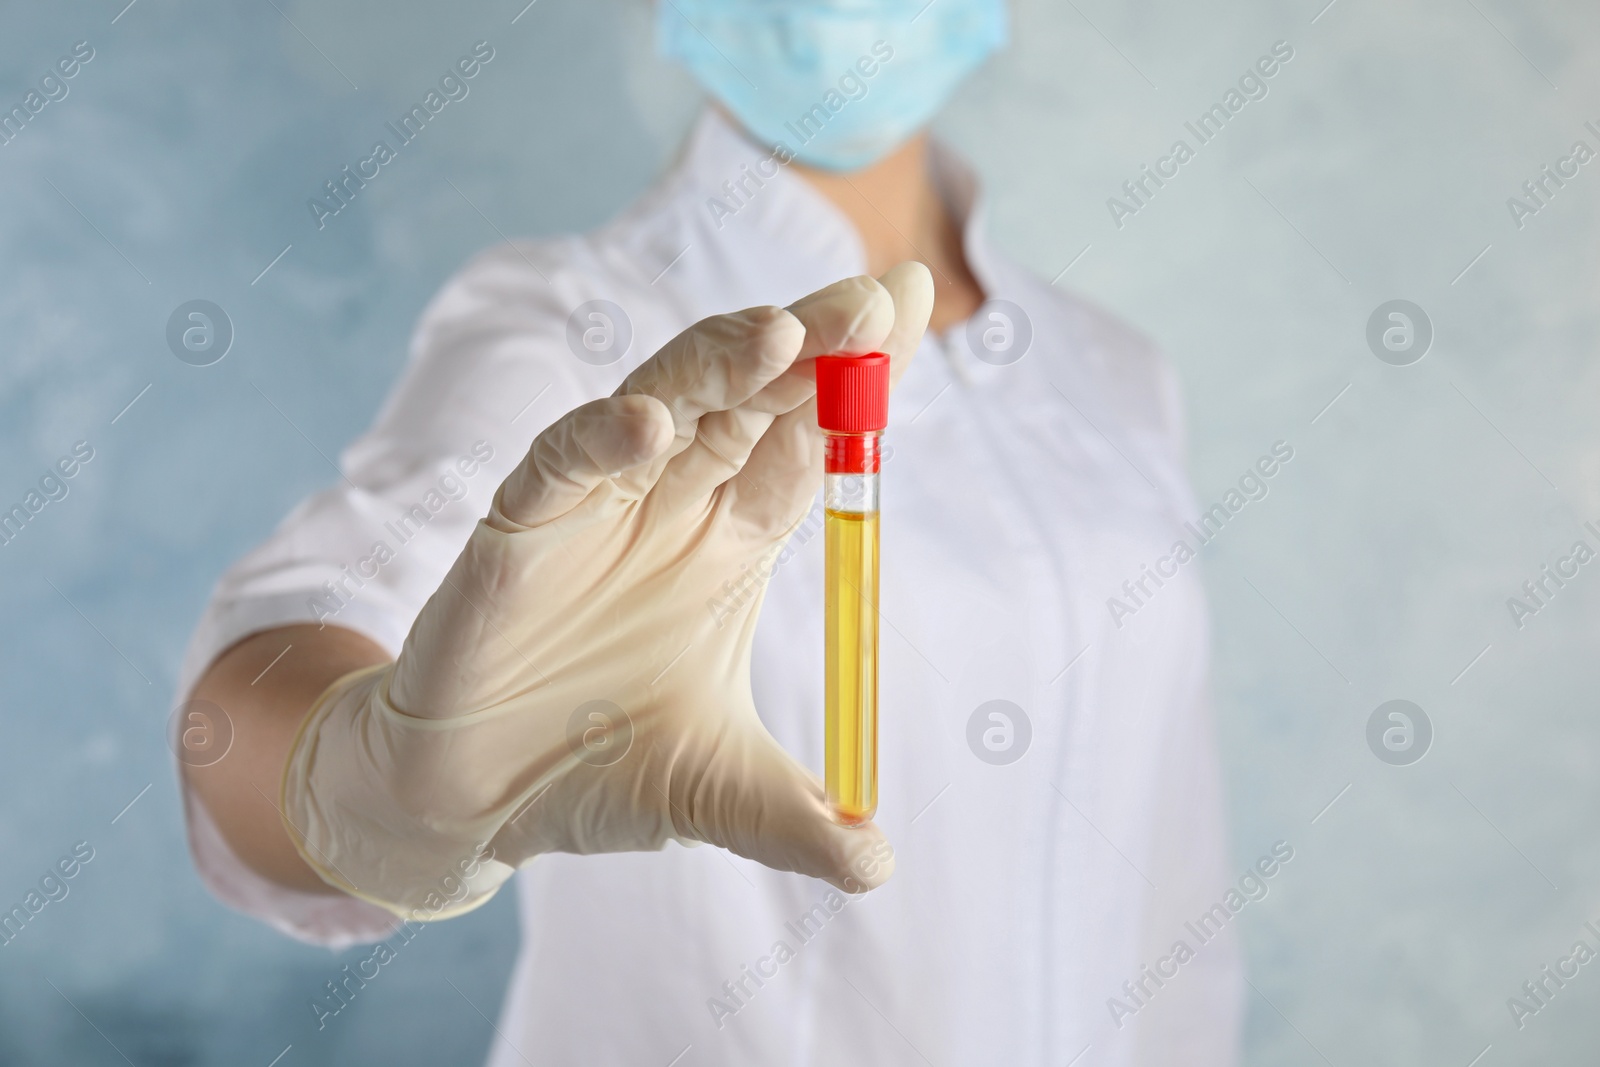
(489,366)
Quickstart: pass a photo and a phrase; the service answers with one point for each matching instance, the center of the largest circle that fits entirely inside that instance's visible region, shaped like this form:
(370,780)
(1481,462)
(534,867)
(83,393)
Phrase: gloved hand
(568,688)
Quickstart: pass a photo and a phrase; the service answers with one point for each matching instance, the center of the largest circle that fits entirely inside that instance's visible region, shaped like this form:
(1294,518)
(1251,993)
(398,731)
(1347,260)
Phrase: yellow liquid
(851,671)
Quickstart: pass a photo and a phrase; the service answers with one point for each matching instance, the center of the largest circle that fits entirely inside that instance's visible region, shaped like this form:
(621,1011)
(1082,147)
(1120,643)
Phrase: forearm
(241,790)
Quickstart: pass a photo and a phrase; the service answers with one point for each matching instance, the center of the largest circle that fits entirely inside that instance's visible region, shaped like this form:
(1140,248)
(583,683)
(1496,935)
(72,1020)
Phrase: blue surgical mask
(838,83)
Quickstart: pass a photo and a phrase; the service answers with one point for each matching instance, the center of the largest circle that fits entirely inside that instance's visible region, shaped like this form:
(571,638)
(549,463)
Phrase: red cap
(853,393)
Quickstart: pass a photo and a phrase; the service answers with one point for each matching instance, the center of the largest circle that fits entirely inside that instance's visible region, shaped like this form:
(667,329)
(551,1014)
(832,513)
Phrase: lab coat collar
(739,184)
(735,182)
(962,191)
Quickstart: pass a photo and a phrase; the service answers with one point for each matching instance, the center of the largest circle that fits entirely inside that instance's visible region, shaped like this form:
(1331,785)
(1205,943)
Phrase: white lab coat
(1016,500)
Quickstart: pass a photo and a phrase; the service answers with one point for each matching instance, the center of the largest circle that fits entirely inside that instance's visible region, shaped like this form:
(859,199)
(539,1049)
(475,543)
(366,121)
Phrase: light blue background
(1378,167)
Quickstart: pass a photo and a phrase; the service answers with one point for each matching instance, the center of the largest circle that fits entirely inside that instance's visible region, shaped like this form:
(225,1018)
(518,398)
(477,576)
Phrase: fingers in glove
(722,444)
(911,287)
(783,471)
(583,448)
(853,315)
(715,365)
(718,363)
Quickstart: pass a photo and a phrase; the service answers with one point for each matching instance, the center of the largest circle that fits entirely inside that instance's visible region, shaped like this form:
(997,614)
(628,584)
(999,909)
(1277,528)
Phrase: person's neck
(900,215)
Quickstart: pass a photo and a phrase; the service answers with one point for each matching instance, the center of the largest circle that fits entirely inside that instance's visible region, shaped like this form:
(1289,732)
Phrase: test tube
(852,410)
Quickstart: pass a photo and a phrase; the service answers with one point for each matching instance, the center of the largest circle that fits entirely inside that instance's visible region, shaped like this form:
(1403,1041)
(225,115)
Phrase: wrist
(362,826)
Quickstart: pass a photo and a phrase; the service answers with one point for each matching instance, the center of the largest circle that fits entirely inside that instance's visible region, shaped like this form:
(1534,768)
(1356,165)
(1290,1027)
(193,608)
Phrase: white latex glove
(568,688)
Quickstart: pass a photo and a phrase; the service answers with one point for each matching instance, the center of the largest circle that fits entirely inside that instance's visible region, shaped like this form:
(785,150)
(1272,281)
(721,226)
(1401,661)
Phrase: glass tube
(850,503)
